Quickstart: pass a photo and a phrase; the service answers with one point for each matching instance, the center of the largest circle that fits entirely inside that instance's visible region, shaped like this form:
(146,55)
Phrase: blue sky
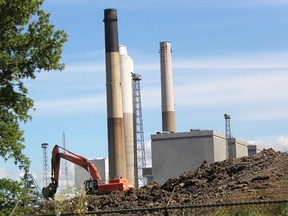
(228,57)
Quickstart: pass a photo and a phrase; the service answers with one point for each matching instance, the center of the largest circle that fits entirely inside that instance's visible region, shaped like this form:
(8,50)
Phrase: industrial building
(172,152)
(175,153)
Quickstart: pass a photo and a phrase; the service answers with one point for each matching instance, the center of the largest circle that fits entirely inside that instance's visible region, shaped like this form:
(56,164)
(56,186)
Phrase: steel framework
(138,130)
(30,183)
(227,132)
(45,165)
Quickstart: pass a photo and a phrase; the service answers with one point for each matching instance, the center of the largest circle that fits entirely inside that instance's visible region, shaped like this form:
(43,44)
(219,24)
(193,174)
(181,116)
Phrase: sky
(227,57)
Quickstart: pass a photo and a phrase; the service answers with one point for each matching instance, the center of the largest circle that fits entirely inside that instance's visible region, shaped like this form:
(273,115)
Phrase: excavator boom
(93,186)
(51,189)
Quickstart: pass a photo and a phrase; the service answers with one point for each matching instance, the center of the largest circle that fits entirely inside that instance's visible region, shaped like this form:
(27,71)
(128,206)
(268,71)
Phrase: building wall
(219,149)
(237,148)
(81,174)
(175,153)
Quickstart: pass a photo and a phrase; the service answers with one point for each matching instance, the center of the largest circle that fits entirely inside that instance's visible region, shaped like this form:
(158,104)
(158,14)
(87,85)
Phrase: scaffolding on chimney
(138,131)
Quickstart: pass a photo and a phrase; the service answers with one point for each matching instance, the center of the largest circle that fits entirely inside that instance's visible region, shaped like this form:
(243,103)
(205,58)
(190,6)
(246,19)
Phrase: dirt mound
(262,176)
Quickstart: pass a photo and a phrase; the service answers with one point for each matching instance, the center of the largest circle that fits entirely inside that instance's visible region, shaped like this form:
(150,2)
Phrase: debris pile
(263,176)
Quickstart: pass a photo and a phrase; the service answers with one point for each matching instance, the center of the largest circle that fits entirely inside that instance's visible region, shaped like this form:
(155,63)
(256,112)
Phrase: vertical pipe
(167,97)
(116,148)
(126,68)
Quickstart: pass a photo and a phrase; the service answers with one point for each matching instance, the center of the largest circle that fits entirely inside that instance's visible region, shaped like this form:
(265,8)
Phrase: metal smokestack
(126,66)
(116,148)
(167,97)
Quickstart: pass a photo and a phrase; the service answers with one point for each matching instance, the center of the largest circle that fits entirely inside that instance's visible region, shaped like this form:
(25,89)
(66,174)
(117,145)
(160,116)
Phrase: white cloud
(85,67)
(254,80)
(71,105)
(13,173)
(279,143)
(239,89)
(265,114)
(264,60)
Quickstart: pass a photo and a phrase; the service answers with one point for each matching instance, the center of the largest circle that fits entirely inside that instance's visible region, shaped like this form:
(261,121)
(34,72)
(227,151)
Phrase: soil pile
(263,176)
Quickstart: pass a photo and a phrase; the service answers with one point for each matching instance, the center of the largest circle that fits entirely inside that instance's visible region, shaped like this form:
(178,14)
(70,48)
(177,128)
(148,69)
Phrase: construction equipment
(94,185)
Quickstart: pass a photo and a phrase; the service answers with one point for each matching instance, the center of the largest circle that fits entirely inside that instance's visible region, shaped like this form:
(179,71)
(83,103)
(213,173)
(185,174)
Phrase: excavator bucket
(50,190)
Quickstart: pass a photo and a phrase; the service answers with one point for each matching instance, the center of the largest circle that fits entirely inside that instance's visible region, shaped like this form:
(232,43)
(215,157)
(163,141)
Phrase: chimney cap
(123,50)
(110,14)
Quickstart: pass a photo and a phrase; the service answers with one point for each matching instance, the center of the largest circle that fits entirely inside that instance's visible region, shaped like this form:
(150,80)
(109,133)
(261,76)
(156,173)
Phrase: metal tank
(126,68)
(116,148)
(167,92)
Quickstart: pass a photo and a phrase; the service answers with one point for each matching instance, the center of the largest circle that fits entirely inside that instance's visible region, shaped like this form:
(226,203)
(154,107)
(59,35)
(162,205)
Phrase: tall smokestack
(116,148)
(126,65)
(168,111)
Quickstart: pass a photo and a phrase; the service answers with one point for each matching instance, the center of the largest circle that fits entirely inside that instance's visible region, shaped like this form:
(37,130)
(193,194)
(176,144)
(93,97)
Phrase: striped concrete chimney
(127,67)
(167,97)
(116,148)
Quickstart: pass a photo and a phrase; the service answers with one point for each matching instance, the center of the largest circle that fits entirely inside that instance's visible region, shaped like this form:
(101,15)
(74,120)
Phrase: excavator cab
(91,186)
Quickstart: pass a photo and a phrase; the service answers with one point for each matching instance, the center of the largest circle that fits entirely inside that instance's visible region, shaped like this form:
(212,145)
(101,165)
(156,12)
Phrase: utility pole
(138,130)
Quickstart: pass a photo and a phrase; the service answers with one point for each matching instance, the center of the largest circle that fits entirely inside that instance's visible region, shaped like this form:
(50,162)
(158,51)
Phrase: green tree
(29,44)
(13,197)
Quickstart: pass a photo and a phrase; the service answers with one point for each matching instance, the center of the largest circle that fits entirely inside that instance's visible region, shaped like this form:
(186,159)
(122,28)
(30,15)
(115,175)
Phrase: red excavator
(94,185)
